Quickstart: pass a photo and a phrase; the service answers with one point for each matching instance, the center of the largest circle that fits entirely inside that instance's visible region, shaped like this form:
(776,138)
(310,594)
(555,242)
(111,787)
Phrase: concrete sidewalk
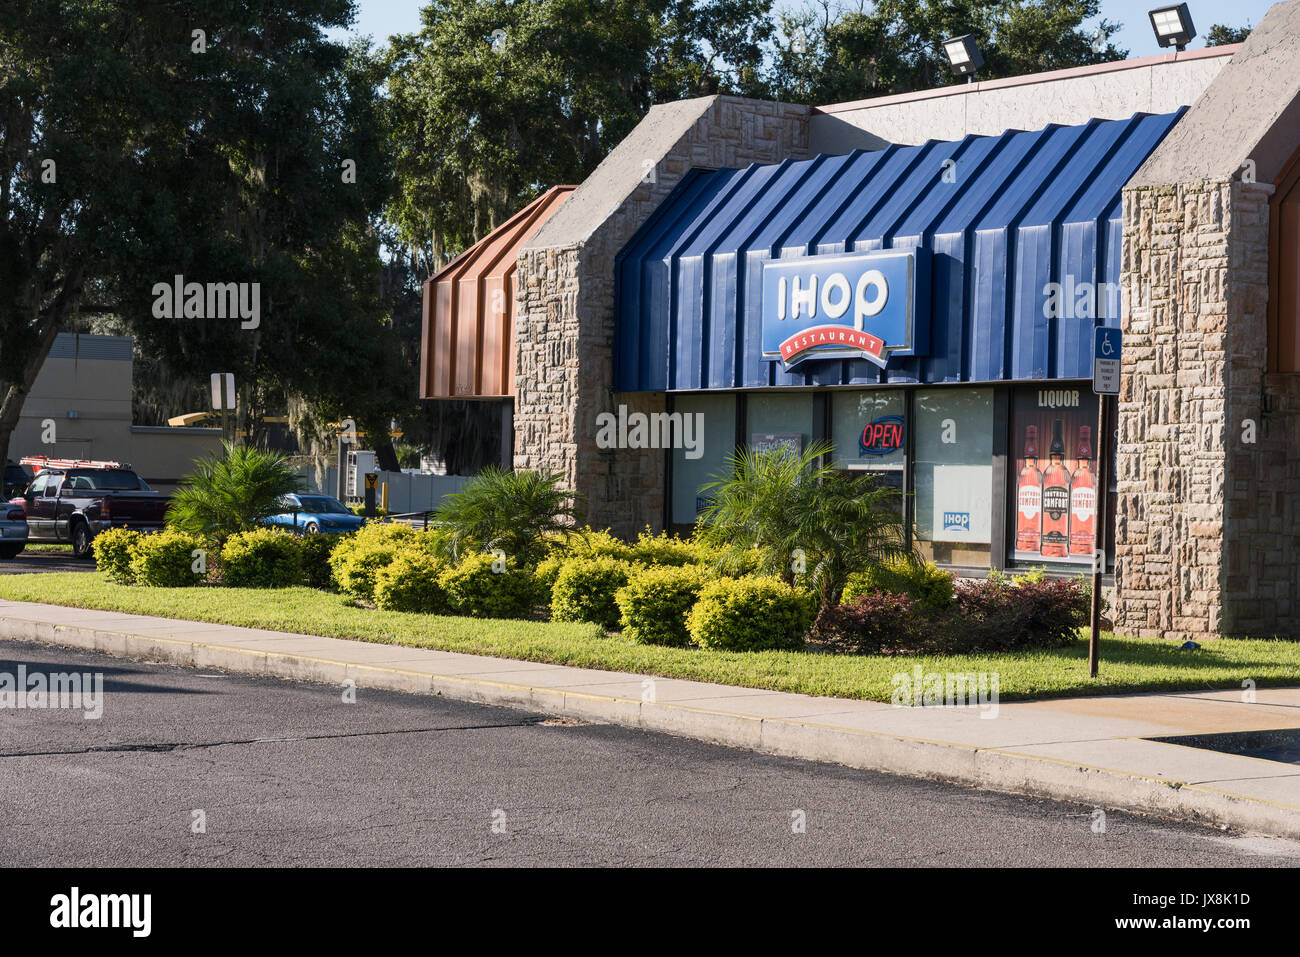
(1096,750)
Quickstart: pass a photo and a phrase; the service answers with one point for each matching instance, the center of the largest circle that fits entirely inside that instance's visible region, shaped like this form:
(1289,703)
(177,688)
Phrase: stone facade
(564,327)
(1206,539)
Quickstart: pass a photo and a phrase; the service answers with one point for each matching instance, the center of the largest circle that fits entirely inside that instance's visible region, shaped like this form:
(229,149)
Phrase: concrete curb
(790,737)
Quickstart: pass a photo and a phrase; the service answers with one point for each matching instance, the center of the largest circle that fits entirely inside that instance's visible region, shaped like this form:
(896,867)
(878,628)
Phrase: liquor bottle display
(1029,497)
(1059,496)
(1083,499)
(1056,498)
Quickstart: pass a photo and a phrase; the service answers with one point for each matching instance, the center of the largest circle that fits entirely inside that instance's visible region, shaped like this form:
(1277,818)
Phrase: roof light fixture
(964,55)
(1173,26)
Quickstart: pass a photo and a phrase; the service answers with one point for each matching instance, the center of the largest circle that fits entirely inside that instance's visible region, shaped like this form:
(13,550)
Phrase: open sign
(881,436)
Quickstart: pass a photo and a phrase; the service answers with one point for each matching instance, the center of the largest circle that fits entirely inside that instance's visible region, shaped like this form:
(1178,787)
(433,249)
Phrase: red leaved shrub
(989,615)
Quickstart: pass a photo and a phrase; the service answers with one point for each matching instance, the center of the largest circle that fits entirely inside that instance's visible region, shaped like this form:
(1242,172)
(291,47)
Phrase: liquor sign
(853,306)
(1057,486)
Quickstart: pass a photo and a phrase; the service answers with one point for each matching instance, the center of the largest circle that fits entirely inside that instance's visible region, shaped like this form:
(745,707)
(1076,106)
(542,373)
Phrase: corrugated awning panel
(467,344)
(1004,216)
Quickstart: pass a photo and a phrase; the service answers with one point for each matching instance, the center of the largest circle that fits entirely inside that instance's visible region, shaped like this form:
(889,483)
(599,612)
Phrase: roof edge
(1030,79)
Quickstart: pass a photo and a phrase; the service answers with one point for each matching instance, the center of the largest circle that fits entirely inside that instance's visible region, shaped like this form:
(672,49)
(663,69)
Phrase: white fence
(406,493)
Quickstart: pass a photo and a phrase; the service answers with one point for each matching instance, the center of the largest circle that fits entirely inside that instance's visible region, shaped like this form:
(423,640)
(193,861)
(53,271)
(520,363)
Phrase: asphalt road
(287,773)
(28,562)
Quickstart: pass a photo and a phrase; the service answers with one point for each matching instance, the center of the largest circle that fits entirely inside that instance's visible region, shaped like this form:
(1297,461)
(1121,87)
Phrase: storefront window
(706,462)
(773,420)
(953,475)
(868,431)
(1054,471)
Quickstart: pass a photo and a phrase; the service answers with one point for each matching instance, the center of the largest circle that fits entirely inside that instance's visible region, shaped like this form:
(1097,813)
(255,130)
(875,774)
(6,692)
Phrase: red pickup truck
(74,500)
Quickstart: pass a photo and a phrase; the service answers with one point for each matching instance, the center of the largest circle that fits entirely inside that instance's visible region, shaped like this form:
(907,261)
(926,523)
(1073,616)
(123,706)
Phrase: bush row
(985,616)
(263,558)
(658,590)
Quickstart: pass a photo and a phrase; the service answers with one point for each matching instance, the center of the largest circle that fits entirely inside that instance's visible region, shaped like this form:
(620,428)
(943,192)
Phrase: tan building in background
(82,401)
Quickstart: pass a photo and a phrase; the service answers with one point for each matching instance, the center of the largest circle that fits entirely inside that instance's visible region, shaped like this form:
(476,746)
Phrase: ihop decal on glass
(849,306)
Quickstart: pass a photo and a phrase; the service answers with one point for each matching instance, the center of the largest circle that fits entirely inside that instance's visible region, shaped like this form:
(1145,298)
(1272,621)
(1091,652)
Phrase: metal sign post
(223,400)
(1107,343)
(372,483)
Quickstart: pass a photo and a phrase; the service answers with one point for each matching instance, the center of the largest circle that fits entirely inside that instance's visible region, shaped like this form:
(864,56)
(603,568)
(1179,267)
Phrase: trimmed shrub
(586,543)
(750,614)
(544,575)
(734,564)
(315,551)
(166,559)
(584,590)
(875,623)
(654,603)
(988,616)
(662,549)
(473,588)
(356,559)
(264,558)
(113,551)
(410,583)
(924,582)
(995,616)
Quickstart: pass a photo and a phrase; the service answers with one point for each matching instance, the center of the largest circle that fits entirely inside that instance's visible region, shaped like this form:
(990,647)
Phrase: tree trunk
(46,324)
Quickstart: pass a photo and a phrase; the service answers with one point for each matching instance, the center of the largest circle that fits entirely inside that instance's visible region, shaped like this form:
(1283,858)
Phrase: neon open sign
(882,436)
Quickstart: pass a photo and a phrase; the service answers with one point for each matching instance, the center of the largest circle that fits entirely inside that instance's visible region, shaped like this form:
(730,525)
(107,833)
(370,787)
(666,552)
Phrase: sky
(382,18)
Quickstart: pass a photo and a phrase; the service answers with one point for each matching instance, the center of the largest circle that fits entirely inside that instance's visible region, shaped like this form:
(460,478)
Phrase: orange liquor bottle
(1056,498)
(1029,497)
(1083,499)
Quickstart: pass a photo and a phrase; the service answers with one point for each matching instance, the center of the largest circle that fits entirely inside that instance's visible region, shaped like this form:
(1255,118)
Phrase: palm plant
(232,493)
(787,511)
(512,511)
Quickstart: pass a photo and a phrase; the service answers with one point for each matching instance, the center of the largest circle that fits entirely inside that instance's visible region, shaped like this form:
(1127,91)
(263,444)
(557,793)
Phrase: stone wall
(1201,548)
(564,328)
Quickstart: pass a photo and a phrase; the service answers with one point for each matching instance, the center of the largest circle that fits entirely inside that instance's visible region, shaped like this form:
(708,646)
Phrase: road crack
(170,746)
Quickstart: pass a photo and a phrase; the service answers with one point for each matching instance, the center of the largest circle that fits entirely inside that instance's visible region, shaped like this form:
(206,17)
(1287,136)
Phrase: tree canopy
(494,101)
(145,140)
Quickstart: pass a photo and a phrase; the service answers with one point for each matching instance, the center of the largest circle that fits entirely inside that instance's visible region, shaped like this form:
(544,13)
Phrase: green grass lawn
(1128,664)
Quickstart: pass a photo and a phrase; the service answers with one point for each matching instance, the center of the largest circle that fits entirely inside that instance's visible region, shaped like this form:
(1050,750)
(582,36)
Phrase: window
(868,431)
(703,461)
(1053,473)
(779,420)
(953,475)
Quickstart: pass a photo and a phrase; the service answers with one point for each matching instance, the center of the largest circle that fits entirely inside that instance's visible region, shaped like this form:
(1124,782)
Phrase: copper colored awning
(467,343)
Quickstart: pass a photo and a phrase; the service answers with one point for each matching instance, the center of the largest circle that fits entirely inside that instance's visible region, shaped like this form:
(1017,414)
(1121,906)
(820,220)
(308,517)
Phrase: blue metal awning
(1002,218)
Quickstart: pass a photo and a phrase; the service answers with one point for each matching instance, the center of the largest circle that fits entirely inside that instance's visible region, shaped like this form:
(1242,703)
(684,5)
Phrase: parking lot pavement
(36,562)
(294,773)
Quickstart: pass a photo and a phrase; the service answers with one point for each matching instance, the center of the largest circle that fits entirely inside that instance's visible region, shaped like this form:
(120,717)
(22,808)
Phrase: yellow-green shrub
(750,614)
(114,548)
(544,575)
(356,559)
(586,543)
(263,558)
(662,549)
(925,583)
(166,559)
(474,588)
(654,603)
(410,583)
(584,590)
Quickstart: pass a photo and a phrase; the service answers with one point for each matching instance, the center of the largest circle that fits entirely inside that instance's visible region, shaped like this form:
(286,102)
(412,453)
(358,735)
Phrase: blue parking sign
(1107,342)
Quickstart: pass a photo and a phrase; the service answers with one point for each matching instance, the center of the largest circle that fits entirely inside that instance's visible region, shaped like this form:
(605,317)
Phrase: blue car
(310,514)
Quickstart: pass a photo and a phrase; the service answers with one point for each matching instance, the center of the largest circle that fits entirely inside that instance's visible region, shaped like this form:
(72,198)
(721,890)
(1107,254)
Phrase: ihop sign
(850,306)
